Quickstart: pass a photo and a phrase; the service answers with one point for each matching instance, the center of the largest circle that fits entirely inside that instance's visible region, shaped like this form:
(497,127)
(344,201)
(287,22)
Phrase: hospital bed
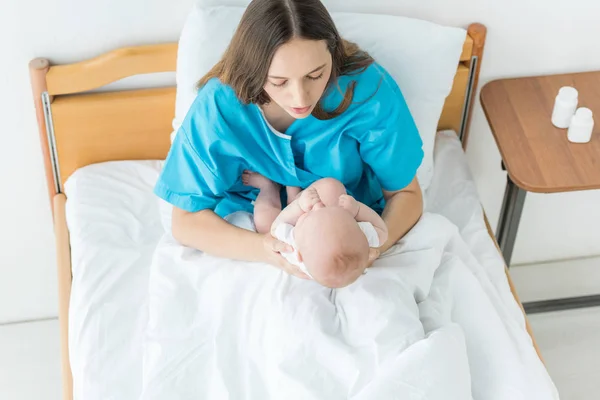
(102,154)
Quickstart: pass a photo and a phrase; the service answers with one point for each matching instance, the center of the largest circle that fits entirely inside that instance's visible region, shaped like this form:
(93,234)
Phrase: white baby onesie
(285,233)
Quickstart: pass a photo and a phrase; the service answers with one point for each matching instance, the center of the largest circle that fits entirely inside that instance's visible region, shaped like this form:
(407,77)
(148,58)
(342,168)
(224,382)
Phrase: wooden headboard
(80,128)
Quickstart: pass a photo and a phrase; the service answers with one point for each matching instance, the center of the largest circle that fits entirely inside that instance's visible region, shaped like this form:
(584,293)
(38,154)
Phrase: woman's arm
(207,232)
(402,211)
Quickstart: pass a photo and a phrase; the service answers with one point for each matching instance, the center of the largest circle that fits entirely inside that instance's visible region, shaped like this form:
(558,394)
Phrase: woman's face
(298,76)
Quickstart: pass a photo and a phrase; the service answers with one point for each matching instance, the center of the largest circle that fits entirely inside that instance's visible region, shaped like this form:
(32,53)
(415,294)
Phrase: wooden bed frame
(78,128)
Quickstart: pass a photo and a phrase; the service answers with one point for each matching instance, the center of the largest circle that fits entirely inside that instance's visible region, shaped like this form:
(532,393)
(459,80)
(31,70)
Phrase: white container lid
(583,114)
(568,93)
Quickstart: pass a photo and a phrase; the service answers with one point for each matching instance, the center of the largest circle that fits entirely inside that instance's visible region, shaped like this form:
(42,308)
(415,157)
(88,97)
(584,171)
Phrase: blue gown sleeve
(389,142)
(186,181)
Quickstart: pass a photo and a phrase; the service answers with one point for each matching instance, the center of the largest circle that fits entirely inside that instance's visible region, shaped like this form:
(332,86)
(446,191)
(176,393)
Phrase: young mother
(293,101)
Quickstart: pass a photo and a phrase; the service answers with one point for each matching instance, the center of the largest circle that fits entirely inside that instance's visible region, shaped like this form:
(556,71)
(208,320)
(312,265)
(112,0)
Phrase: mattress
(115,224)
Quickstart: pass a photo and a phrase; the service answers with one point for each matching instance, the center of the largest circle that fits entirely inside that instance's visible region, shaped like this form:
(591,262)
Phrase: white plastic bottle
(582,126)
(565,106)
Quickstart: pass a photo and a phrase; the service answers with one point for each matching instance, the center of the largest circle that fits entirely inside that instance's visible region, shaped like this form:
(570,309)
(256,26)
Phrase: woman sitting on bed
(293,101)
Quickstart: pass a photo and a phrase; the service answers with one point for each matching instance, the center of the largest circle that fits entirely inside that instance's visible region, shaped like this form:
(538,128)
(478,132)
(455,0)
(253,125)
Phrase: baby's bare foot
(350,204)
(308,199)
(254,179)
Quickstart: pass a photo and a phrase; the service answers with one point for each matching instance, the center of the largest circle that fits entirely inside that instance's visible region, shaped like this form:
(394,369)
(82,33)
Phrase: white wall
(64,31)
(533,37)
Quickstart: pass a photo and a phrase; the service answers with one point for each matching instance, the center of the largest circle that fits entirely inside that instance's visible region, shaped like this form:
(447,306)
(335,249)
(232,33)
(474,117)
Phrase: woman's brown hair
(268,24)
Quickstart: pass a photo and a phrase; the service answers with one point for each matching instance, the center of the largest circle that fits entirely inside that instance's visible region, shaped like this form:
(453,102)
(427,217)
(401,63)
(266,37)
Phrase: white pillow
(421,56)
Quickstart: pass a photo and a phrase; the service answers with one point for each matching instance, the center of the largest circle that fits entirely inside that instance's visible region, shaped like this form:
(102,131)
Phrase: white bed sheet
(114,223)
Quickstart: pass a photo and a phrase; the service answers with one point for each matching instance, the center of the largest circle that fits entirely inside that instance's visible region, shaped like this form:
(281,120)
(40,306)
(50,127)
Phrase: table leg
(568,303)
(510,216)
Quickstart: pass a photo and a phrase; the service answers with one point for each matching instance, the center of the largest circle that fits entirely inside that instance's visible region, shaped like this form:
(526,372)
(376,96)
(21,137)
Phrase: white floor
(578,277)
(570,345)
(569,340)
(30,361)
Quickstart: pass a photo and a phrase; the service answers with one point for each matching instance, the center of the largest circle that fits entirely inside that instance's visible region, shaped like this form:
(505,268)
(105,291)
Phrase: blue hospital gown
(373,145)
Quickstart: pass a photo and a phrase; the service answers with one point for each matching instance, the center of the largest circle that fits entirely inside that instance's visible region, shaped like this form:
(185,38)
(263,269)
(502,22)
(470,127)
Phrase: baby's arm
(303,204)
(364,213)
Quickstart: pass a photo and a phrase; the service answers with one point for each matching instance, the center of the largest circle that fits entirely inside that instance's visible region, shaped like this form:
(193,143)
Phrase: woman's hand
(273,250)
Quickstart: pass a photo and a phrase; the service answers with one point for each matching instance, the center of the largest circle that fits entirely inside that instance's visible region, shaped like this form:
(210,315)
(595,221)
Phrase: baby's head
(332,246)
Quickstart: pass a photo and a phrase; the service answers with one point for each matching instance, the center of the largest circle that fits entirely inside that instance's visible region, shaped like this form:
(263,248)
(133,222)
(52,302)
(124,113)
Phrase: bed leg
(64,290)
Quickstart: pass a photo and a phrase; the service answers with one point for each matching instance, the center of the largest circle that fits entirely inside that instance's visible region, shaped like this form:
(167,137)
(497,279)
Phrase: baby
(334,236)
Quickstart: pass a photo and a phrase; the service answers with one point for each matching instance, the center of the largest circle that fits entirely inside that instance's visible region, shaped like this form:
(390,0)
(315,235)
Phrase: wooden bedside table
(538,156)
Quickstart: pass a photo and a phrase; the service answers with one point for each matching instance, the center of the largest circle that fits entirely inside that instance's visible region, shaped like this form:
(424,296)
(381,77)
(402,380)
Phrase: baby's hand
(308,199)
(350,204)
